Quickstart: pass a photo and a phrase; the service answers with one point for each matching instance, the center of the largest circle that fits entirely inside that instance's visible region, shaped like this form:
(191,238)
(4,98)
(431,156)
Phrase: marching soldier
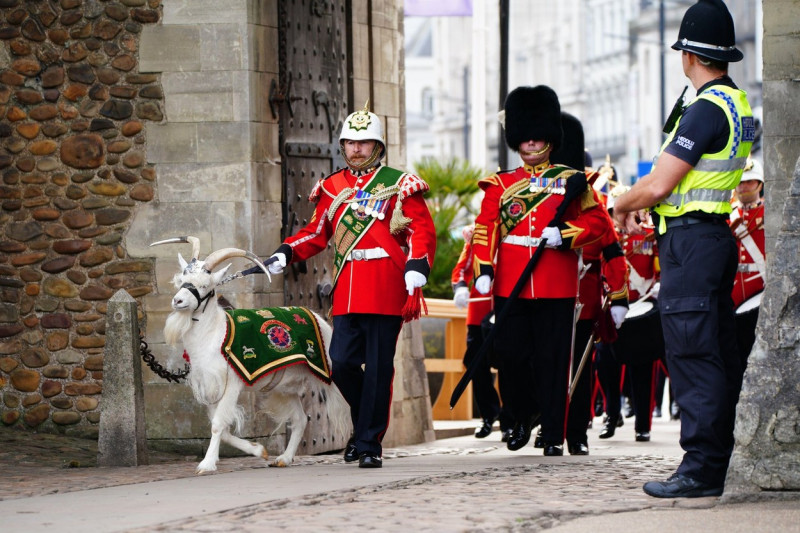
(384,243)
(747,224)
(478,308)
(535,338)
(605,272)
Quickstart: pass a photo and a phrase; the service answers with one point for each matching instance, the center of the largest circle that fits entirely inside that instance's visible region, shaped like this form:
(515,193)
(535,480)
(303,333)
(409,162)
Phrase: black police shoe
(485,429)
(520,436)
(578,448)
(553,450)
(350,452)
(370,460)
(642,436)
(680,486)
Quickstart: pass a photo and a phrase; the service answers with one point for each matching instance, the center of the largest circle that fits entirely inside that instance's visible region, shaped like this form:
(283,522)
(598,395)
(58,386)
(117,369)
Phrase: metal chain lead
(156,367)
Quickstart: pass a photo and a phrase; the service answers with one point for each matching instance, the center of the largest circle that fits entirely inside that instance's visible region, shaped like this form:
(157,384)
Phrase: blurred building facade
(602,57)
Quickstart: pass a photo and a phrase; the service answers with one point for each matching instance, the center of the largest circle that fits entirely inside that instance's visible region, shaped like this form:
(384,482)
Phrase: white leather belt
(522,240)
(366,254)
(748,267)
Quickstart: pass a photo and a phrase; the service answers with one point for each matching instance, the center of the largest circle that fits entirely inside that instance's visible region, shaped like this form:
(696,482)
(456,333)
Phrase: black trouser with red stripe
(370,340)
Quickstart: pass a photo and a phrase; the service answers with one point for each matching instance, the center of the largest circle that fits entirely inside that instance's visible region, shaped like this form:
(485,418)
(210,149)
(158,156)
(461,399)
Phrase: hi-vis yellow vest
(707,187)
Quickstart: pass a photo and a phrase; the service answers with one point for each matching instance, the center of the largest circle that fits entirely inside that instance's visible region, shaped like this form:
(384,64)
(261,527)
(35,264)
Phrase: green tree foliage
(453,185)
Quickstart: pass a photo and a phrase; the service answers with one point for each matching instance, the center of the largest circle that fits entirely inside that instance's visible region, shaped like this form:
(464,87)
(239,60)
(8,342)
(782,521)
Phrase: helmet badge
(360,120)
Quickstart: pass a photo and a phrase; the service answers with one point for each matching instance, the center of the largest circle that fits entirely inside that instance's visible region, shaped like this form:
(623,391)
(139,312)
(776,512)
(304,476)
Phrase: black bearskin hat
(532,114)
(707,31)
(571,152)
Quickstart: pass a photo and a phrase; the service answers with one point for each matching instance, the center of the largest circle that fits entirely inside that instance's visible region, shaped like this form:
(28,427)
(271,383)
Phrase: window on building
(427,102)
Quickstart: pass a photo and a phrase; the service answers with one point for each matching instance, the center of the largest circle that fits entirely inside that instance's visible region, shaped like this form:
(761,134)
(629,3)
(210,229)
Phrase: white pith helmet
(362,126)
(753,170)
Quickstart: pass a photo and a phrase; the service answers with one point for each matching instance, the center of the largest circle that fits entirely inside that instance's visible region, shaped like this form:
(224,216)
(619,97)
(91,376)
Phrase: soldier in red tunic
(747,224)
(479,308)
(384,242)
(535,337)
(604,276)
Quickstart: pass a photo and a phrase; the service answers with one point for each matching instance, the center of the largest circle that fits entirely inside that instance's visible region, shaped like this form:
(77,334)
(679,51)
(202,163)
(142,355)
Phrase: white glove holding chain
(414,280)
(277,267)
(618,313)
(553,236)
(483,284)
(461,297)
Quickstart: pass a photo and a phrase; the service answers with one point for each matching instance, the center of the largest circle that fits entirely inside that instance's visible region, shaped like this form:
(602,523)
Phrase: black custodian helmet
(571,152)
(707,31)
(532,114)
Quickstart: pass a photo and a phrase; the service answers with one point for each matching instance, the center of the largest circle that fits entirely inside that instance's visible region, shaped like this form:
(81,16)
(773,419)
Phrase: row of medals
(367,204)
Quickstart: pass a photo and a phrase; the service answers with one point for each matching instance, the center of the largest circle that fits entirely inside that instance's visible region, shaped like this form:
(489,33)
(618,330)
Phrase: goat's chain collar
(155,366)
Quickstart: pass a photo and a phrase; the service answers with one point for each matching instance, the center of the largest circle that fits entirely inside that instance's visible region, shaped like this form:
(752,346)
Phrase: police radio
(675,114)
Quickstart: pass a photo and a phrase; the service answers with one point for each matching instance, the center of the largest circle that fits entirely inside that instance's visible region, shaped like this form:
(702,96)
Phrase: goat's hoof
(264,454)
(280,463)
(203,469)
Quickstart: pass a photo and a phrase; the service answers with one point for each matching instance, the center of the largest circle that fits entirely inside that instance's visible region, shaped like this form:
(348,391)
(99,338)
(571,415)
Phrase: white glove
(483,284)
(654,290)
(277,266)
(414,280)
(461,297)
(553,236)
(618,313)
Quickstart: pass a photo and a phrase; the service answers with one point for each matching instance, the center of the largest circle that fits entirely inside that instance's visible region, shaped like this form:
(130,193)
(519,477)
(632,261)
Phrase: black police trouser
(698,265)
(369,340)
(580,405)
(534,342)
(482,380)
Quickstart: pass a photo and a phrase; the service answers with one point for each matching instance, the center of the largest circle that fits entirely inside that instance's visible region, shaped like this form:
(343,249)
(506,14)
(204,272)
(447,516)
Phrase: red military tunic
(606,261)
(372,285)
(479,305)
(749,232)
(556,274)
(642,255)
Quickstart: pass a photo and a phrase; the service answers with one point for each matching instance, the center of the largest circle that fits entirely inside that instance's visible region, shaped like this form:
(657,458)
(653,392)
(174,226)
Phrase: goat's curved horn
(189,239)
(219,256)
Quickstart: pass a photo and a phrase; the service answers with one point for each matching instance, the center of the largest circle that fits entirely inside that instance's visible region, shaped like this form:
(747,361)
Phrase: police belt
(522,240)
(689,220)
(368,253)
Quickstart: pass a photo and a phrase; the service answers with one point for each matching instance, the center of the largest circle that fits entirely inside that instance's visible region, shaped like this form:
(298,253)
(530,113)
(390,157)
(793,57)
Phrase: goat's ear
(182,262)
(219,274)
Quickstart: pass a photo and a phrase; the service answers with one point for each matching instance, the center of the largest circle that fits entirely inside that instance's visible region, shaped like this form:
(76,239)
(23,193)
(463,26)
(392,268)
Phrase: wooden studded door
(310,100)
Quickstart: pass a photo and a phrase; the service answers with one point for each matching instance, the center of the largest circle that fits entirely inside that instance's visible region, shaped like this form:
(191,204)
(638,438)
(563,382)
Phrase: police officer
(383,253)
(689,190)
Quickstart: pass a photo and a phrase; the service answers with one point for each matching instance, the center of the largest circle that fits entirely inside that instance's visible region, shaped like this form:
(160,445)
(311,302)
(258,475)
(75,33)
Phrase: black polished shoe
(627,408)
(674,411)
(609,428)
(577,448)
(642,436)
(485,429)
(554,450)
(657,412)
(680,486)
(350,452)
(520,436)
(506,434)
(370,460)
(538,442)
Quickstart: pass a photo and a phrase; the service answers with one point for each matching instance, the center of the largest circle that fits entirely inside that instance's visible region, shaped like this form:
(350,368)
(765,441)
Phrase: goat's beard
(176,326)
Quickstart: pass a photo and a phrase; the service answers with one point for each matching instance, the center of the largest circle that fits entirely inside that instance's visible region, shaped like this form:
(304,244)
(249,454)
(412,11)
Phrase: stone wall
(73,108)
(767,451)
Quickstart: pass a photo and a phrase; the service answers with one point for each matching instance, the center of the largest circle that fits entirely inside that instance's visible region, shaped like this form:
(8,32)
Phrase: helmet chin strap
(375,156)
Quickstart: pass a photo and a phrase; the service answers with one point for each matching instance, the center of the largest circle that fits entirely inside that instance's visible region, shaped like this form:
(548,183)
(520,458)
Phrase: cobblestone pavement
(459,484)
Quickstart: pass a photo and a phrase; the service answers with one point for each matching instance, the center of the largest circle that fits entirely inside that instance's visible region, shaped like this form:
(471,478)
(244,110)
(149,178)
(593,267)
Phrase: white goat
(201,325)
